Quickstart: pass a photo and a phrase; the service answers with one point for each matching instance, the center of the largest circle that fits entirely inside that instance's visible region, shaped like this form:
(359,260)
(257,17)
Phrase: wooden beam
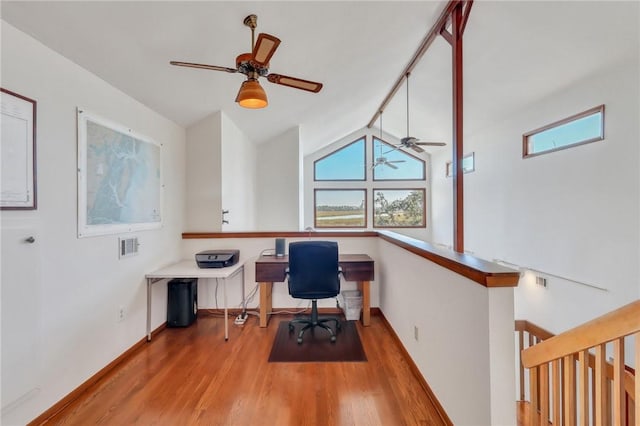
(422,49)
(457,143)
(457,11)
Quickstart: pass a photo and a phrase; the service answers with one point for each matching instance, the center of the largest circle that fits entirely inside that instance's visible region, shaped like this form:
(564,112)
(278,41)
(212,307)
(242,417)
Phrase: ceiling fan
(410,141)
(382,159)
(255,65)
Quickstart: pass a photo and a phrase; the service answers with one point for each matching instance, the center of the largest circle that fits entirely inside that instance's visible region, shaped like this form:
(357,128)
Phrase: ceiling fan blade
(416,148)
(397,161)
(431,143)
(296,83)
(394,149)
(264,49)
(203,66)
(391,165)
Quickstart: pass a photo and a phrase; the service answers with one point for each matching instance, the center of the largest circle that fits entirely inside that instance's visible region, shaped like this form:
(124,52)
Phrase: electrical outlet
(415,332)
(121,313)
(240,320)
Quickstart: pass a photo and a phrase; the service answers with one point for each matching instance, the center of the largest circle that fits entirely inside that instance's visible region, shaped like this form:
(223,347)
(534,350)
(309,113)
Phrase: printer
(217,258)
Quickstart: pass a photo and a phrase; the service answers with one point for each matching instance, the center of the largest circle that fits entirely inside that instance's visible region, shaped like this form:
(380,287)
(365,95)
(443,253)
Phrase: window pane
(581,128)
(408,166)
(398,208)
(344,164)
(468,164)
(340,208)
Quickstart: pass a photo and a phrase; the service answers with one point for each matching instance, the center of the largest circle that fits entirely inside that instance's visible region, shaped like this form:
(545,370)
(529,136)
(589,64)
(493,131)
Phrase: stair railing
(570,379)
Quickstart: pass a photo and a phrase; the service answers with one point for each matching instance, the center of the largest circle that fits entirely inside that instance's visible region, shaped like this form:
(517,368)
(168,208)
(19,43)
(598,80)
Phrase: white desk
(189,269)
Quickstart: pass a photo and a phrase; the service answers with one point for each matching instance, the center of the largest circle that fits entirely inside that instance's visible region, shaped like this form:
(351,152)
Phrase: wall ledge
(483,272)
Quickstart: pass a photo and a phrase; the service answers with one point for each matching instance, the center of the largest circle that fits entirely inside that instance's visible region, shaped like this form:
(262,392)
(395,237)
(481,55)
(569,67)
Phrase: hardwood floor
(192,376)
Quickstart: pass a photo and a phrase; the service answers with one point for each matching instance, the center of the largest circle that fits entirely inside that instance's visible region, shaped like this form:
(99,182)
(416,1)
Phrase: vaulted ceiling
(515,52)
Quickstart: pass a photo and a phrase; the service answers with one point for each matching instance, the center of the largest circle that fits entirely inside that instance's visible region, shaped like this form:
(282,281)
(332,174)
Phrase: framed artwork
(17,152)
(119,178)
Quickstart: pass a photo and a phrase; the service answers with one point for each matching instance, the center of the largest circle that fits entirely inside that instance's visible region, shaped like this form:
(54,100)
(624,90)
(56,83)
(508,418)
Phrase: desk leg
(226,313)
(266,305)
(365,291)
(148,309)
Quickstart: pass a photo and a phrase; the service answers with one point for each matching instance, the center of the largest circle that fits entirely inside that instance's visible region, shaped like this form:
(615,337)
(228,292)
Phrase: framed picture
(119,178)
(18,152)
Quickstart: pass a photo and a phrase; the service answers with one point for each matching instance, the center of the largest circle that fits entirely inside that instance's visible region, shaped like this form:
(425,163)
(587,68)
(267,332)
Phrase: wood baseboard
(74,394)
(416,372)
(236,311)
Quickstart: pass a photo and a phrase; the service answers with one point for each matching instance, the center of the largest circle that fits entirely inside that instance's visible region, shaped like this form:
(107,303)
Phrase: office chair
(314,273)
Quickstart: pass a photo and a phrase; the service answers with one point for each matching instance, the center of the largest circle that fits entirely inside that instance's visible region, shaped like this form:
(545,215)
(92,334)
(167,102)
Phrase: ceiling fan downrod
(408,74)
(251,21)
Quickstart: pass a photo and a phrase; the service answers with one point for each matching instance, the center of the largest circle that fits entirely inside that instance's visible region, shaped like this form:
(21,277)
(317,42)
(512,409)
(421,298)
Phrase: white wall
(82,281)
(441,199)
(278,184)
(204,175)
(464,347)
(309,184)
(239,186)
(573,213)
(221,175)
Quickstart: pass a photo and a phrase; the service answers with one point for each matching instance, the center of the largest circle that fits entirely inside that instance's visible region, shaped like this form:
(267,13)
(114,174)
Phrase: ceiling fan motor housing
(247,66)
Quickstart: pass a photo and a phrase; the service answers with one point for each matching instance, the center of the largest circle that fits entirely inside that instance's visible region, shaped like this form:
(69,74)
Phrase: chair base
(313,322)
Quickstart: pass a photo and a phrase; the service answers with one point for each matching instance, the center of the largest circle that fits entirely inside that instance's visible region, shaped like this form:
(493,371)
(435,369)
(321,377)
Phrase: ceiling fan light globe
(252,95)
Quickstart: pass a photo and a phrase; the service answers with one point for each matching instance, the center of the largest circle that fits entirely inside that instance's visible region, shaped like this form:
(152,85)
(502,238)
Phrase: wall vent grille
(541,281)
(128,246)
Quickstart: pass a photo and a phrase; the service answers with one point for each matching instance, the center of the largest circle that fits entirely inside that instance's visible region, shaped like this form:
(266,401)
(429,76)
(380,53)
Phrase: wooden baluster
(636,398)
(531,340)
(593,386)
(544,394)
(521,346)
(569,373)
(583,387)
(555,370)
(619,395)
(533,396)
(601,383)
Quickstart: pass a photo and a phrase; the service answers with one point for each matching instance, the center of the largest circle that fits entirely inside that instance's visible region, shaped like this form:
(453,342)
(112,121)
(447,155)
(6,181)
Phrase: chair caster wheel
(333,339)
(299,340)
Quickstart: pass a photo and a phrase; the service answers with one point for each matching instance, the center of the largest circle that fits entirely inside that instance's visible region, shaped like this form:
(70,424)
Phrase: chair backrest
(313,269)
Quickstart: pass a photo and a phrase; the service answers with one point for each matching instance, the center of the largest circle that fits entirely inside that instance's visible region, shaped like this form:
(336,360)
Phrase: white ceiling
(515,52)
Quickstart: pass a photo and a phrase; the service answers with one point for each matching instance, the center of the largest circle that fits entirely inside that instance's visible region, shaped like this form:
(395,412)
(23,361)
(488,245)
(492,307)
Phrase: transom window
(347,163)
(468,164)
(582,128)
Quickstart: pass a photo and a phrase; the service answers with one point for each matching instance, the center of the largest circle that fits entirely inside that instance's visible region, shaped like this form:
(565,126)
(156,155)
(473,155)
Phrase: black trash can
(182,302)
